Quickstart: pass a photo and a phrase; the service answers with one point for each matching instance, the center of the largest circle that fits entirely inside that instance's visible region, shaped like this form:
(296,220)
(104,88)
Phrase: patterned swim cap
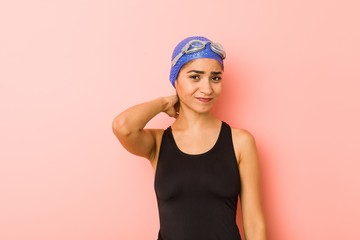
(206,52)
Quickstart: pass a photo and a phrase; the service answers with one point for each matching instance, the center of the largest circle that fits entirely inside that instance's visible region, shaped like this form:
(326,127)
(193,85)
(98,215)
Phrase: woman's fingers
(172,112)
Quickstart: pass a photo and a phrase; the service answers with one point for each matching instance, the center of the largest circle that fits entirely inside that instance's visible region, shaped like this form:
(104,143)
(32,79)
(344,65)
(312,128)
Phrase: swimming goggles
(198,45)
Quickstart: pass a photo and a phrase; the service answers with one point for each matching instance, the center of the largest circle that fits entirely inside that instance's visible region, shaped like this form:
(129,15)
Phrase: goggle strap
(216,47)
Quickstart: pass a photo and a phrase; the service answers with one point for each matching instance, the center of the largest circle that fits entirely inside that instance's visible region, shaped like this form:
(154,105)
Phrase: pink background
(67,68)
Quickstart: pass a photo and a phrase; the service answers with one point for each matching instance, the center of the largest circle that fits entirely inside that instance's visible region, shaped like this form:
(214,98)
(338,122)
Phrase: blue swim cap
(206,52)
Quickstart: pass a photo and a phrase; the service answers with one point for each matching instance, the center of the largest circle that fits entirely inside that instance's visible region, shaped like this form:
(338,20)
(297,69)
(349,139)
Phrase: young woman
(201,164)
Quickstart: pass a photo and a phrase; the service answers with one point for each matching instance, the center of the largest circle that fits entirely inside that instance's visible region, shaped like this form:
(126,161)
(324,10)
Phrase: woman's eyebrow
(202,72)
(196,71)
(216,73)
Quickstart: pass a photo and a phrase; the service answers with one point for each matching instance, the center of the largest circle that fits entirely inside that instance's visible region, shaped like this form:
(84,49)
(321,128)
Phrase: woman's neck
(193,120)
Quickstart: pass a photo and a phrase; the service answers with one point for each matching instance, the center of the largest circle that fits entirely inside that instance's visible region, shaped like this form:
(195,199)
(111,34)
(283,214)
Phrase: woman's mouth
(204,100)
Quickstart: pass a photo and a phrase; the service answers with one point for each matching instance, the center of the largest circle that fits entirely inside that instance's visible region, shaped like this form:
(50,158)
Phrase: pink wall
(67,68)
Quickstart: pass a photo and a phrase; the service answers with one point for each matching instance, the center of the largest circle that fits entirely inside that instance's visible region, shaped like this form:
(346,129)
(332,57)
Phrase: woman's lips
(204,100)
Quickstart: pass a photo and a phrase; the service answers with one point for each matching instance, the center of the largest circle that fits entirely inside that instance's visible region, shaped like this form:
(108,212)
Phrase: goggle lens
(197,44)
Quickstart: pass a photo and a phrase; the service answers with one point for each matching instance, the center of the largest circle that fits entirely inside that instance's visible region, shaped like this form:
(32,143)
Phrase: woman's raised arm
(129,125)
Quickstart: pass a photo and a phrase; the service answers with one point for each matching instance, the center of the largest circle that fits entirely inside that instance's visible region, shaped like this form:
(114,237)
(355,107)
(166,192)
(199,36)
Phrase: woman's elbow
(120,127)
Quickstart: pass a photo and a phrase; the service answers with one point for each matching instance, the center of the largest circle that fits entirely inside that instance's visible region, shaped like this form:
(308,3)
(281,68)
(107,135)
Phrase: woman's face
(199,84)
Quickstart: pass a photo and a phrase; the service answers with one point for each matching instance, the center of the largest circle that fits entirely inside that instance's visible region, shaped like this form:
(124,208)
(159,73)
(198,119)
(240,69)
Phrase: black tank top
(197,194)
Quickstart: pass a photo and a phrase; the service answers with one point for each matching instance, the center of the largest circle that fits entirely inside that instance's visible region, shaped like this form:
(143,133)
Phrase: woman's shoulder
(243,135)
(243,141)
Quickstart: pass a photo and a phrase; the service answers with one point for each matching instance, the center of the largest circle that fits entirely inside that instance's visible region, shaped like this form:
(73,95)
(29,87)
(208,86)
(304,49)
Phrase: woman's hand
(172,106)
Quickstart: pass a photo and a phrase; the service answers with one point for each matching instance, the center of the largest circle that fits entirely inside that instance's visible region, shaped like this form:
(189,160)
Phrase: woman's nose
(205,87)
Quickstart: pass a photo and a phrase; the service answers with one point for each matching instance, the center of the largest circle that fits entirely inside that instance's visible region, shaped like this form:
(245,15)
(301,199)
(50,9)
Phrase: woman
(201,164)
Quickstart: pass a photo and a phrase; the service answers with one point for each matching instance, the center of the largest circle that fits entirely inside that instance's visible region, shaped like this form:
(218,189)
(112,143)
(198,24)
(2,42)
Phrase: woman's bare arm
(252,214)
(129,125)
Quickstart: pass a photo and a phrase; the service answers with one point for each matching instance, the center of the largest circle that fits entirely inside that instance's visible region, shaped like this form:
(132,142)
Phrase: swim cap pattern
(203,53)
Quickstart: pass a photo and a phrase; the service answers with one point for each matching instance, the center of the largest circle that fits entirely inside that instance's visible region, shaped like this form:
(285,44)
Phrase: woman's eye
(216,79)
(195,77)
